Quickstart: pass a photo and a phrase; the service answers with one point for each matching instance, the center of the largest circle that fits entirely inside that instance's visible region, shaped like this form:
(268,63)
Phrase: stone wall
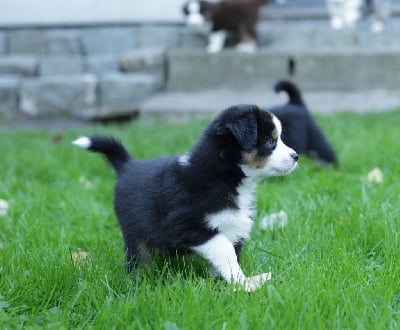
(86,72)
(95,72)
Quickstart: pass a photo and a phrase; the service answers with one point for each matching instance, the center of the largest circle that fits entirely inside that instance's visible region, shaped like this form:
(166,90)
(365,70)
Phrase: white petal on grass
(79,257)
(375,175)
(3,207)
(85,182)
(279,219)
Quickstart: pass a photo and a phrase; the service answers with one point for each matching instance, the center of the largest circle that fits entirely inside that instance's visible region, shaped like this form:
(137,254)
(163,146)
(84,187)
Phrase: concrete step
(309,34)
(182,106)
(318,34)
(321,59)
(306,9)
(84,96)
(336,69)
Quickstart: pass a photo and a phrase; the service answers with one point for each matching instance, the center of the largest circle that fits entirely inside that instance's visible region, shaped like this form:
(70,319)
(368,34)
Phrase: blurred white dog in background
(346,13)
(379,11)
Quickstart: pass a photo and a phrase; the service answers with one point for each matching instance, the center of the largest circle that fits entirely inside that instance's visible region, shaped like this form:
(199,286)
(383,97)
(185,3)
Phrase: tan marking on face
(250,159)
(275,133)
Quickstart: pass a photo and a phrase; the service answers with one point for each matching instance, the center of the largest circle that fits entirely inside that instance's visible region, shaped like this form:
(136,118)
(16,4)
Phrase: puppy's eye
(271,143)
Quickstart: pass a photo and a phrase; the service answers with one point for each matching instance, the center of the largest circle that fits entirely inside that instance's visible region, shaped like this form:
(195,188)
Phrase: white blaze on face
(280,162)
(194,17)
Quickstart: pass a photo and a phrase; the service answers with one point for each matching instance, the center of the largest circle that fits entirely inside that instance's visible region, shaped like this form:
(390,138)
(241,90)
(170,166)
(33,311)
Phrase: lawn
(335,265)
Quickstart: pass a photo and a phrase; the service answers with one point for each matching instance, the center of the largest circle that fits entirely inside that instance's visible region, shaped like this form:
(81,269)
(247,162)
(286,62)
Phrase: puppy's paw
(246,48)
(253,283)
(212,49)
(336,23)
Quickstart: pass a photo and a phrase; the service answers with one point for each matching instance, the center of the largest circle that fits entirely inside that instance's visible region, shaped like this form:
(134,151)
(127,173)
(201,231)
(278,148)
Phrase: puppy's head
(197,12)
(254,137)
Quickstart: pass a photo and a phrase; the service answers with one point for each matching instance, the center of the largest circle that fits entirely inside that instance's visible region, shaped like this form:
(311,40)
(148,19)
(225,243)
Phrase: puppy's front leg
(220,252)
(216,41)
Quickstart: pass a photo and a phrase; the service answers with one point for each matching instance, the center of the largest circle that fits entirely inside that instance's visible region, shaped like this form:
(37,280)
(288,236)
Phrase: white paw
(246,48)
(255,282)
(336,23)
(212,49)
(377,27)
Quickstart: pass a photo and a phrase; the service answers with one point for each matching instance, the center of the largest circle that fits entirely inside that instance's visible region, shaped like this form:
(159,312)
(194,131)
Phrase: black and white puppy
(300,130)
(237,16)
(202,201)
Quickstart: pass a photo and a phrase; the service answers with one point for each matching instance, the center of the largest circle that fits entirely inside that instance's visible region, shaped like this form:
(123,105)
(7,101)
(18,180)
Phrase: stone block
(158,36)
(59,95)
(9,87)
(301,36)
(2,43)
(189,38)
(63,42)
(146,60)
(108,40)
(191,69)
(121,94)
(27,42)
(99,64)
(312,69)
(18,65)
(61,65)
(347,70)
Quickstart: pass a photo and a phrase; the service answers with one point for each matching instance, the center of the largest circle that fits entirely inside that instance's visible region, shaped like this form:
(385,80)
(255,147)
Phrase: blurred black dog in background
(300,131)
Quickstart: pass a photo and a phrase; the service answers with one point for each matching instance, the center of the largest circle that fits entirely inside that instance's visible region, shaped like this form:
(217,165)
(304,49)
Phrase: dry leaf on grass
(375,176)
(279,219)
(3,207)
(85,182)
(79,257)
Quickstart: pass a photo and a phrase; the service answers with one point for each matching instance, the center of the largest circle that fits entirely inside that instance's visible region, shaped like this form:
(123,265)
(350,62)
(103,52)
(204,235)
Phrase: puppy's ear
(244,130)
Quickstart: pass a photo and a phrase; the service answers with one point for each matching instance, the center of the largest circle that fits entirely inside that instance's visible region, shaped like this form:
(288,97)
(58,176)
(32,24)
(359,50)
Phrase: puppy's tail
(111,148)
(292,90)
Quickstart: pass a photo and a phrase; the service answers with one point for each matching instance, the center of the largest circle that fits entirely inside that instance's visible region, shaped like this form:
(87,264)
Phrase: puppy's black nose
(295,156)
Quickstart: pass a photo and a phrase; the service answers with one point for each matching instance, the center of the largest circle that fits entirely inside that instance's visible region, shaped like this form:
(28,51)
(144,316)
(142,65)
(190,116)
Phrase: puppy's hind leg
(220,252)
(248,40)
(136,254)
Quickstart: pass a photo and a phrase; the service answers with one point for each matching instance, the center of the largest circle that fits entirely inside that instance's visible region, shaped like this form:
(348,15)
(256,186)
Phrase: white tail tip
(83,142)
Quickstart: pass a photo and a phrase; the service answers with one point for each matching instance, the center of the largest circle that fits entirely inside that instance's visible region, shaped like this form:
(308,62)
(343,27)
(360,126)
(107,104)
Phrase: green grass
(335,265)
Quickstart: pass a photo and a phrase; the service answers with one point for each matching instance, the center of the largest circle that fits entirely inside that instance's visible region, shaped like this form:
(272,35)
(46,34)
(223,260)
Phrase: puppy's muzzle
(294,156)
(195,20)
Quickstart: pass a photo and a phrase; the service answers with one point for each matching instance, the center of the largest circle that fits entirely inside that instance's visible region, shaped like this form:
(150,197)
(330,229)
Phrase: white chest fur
(236,224)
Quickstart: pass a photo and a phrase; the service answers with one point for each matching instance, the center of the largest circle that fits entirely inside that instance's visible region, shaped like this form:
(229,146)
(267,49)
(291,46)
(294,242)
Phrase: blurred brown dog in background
(237,16)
